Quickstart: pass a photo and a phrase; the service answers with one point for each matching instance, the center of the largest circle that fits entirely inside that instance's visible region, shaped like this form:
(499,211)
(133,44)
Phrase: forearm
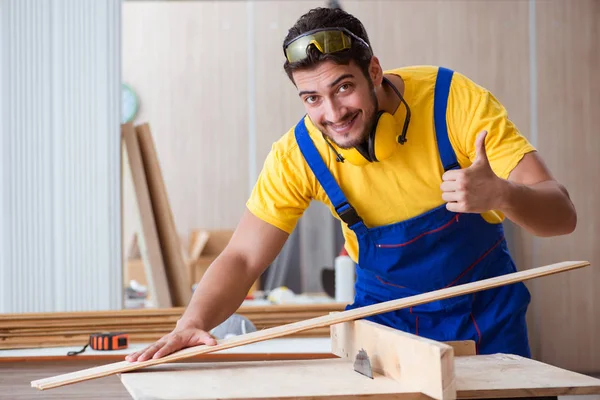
(219,293)
(544,209)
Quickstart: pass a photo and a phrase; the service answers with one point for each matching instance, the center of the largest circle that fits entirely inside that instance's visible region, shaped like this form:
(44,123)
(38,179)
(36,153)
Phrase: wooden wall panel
(188,63)
(567,307)
(278,107)
(486,41)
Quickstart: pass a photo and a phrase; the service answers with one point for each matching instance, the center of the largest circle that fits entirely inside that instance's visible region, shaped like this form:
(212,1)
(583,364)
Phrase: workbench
(393,363)
(298,366)
(404,367)
(495,376)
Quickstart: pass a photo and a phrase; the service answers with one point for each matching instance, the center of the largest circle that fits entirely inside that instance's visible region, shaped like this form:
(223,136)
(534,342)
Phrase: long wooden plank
(326,320)
(126,326)
(48,326)
(284,309)
(176,269)
(245,309)
(46,322)
(211,357)
(421,365)
(148,336)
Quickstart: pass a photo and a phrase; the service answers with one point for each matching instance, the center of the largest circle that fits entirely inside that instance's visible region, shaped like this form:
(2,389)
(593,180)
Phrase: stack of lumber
(31,330)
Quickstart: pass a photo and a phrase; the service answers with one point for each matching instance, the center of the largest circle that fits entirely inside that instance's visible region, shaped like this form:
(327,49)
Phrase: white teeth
(345,125)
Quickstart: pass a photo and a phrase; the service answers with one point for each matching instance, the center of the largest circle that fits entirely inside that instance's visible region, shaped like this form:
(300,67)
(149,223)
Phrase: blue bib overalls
(431,251)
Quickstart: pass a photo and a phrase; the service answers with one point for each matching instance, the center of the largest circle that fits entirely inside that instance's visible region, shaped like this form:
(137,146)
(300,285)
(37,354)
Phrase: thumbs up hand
(475,189)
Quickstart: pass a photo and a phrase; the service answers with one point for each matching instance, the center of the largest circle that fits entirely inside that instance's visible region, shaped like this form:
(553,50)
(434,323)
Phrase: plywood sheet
(262,380)
(504,375)
(492,376)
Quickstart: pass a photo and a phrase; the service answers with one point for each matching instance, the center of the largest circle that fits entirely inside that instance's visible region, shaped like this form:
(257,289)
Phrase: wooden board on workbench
(506,375)
(258,380)
(482,376)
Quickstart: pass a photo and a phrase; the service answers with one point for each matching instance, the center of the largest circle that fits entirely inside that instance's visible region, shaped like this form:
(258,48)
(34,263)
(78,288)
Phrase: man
(420,164)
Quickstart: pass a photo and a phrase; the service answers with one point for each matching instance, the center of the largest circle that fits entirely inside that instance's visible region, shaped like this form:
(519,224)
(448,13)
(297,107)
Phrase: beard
(369,116)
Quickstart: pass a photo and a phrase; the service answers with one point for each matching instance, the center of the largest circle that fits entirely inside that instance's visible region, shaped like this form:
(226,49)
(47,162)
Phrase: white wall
(60,228)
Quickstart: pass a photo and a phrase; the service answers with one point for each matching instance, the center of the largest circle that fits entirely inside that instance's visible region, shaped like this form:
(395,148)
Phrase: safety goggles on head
(326,40)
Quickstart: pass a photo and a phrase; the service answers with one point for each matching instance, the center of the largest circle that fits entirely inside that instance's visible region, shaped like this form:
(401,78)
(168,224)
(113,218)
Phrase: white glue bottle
(344,278)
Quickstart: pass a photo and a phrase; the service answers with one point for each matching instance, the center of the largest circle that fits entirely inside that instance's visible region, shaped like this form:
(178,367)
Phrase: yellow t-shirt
(406,184)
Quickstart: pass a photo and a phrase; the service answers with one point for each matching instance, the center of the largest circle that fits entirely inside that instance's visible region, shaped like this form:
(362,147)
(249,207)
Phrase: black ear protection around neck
(382,140)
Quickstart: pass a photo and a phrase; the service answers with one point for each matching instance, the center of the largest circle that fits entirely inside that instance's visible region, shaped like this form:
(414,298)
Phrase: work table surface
(493,376)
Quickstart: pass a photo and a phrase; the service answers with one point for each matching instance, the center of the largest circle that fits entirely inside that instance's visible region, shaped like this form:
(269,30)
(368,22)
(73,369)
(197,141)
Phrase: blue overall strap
(346,212)
(440,103)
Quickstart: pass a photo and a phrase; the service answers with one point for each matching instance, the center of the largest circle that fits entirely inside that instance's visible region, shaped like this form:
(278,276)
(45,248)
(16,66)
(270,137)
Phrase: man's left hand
(475,189)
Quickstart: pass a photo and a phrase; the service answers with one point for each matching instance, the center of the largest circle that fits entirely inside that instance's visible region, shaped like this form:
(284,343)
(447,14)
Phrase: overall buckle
(348,214)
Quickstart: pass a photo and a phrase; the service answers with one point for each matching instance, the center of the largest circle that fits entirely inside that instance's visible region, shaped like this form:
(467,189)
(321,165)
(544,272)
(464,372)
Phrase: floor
(15,382)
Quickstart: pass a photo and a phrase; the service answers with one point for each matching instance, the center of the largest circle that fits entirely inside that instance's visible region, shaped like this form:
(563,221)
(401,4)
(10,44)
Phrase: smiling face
(340,101)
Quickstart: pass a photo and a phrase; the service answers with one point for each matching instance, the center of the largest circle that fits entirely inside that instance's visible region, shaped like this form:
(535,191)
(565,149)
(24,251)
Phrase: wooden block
(463,347)
(318,322)
(419,364)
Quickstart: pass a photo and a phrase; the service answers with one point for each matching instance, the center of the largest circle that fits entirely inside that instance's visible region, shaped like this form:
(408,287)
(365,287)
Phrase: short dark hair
(330,18)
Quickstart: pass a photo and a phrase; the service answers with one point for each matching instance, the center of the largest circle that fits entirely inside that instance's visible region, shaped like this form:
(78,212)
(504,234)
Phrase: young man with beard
(420,164)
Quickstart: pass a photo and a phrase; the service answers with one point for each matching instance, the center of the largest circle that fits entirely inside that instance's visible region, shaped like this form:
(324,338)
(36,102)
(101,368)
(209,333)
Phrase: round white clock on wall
(129,103)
